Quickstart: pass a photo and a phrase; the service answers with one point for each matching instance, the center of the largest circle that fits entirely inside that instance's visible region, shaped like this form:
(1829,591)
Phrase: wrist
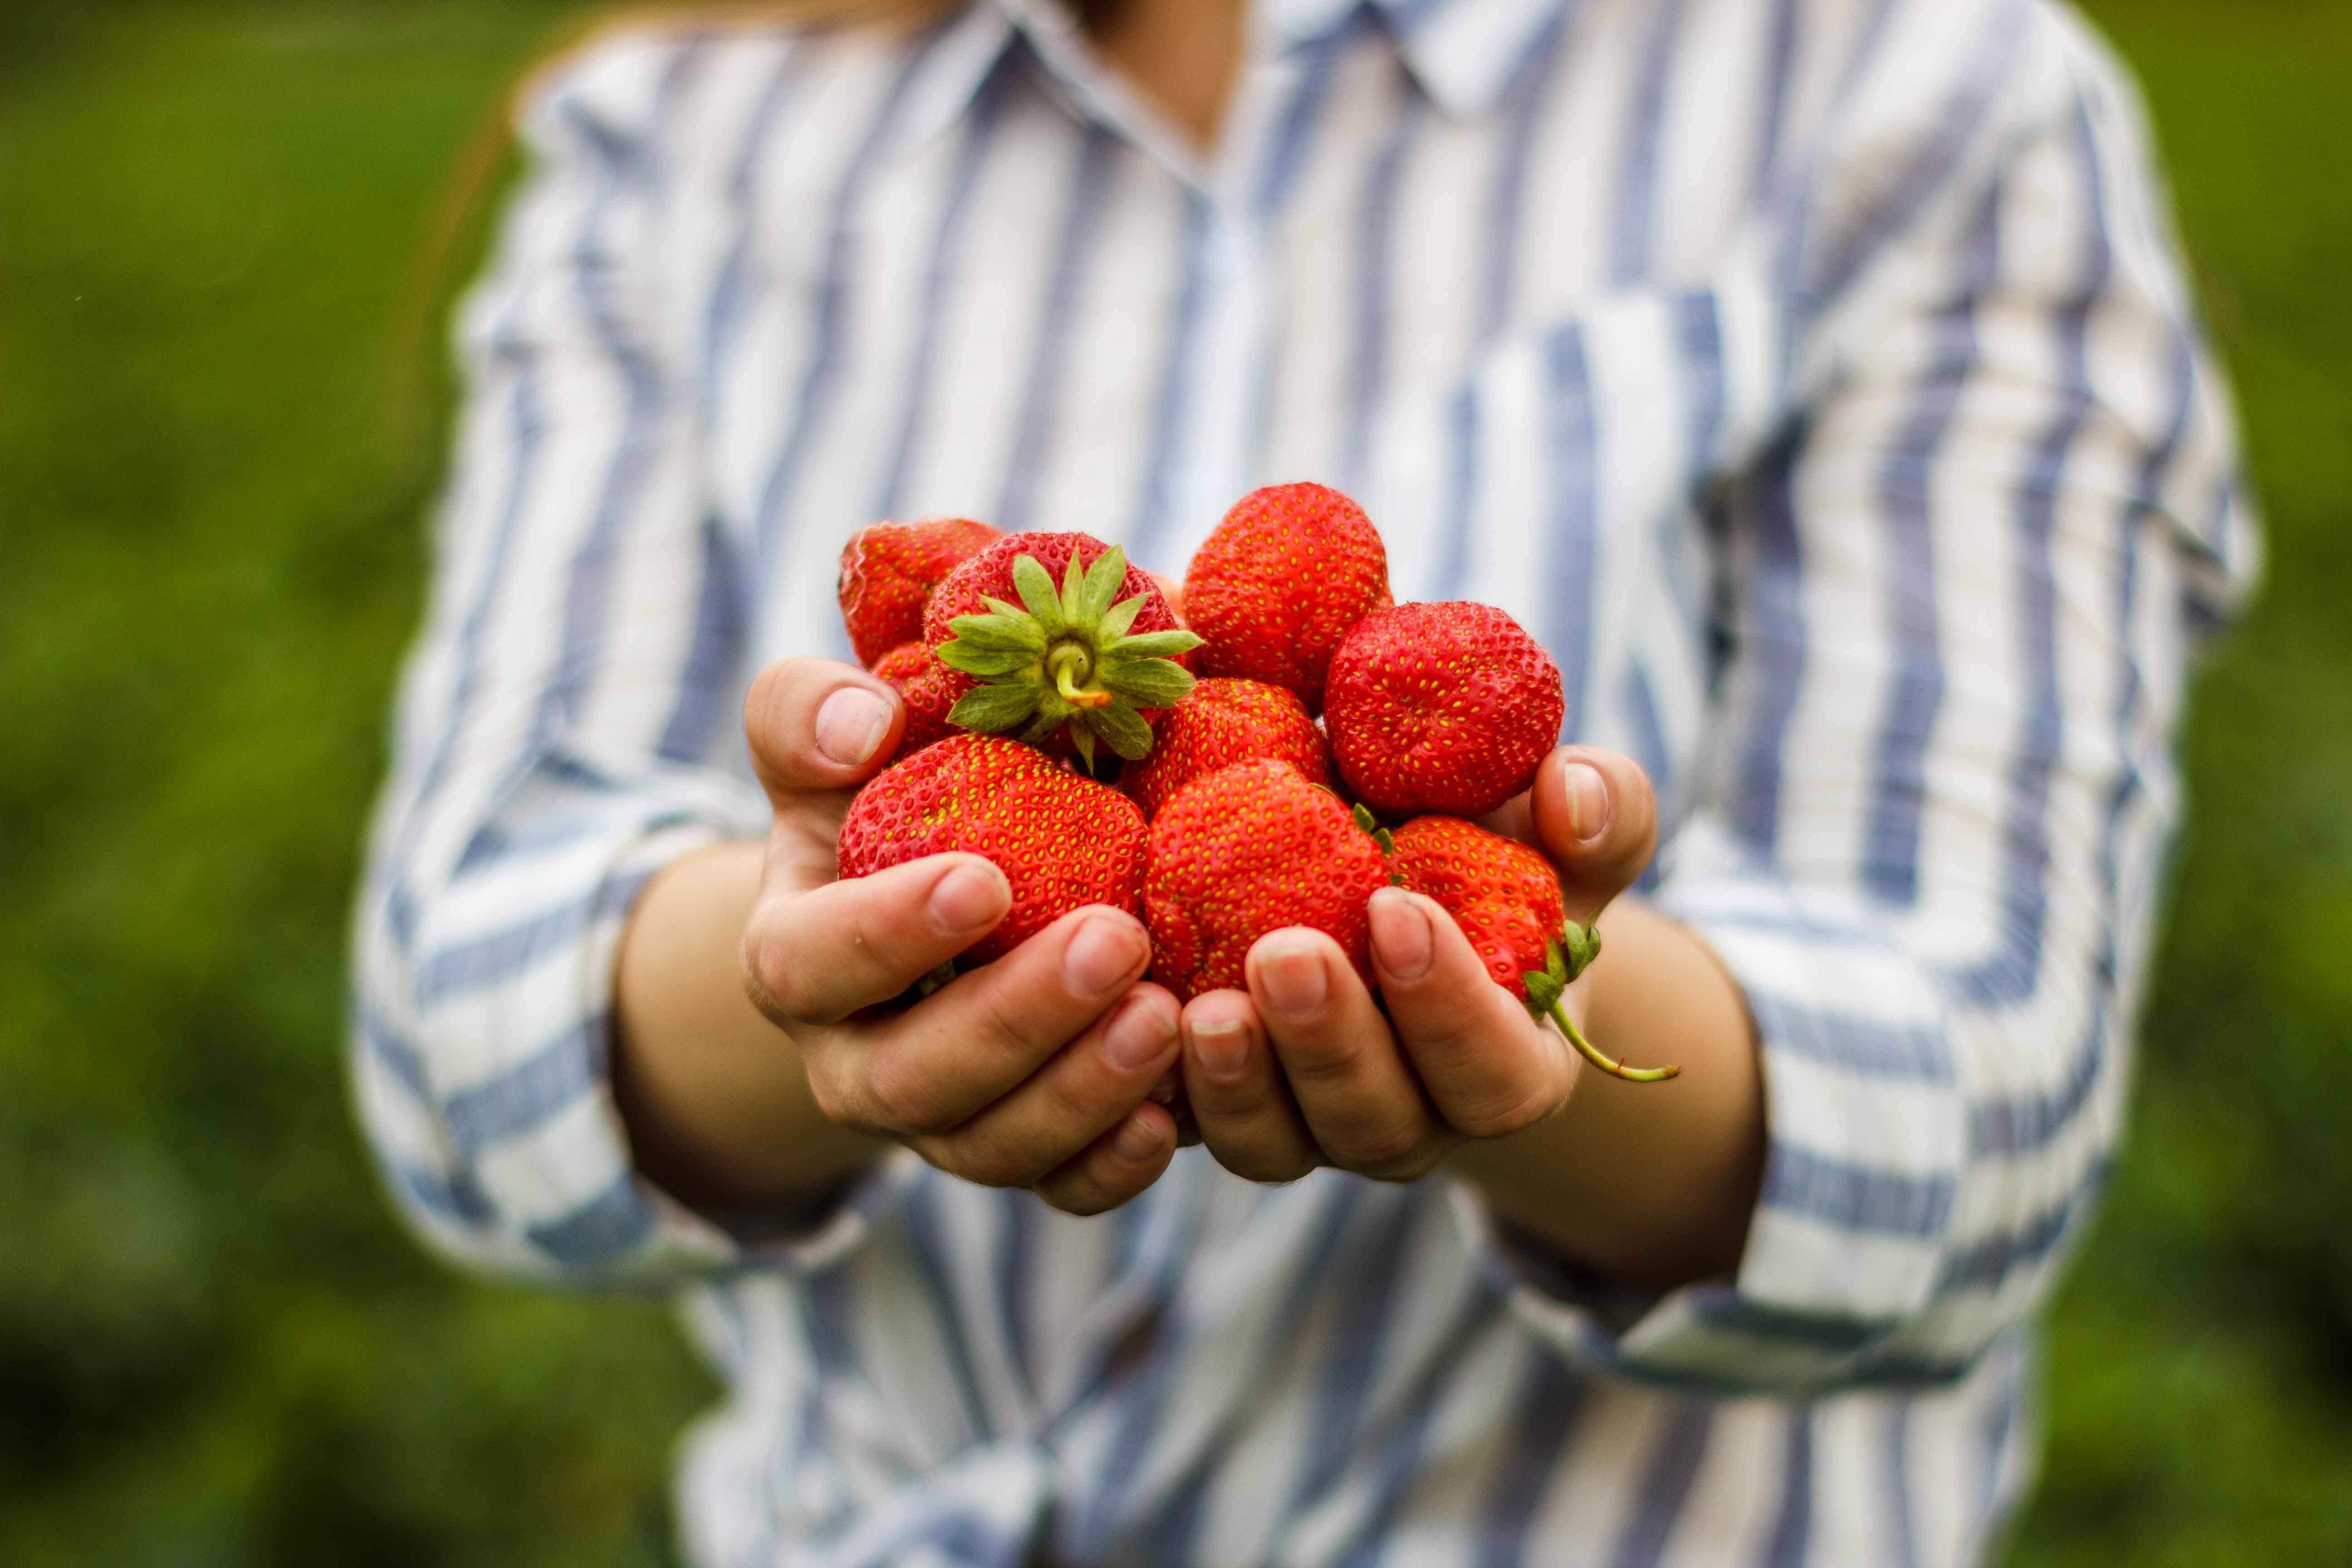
(714,1098)
(1648,1183)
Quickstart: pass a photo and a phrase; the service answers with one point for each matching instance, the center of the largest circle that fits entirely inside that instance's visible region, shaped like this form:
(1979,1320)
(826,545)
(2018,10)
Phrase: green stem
(1617,1068)
(1071,665)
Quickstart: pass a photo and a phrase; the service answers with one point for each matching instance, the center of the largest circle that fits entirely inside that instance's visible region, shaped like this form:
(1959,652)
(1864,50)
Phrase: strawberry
(1220,723)
(1096,659)
(1441,707)
(1062,841)
(1279,583)
(1507,899)
(890,569)
(1247,850)
(928,688)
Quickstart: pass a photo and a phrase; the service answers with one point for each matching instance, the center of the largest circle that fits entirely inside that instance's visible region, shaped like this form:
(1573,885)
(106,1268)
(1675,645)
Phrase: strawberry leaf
(1146,682)
(987,663)
(1129,735)
(1156,645)
(1543,992)
(1084,740)
(1119,616)
(1579,946)
(1009,634)
(1073,584)
(989,709)
(1103,581)
(1035,586)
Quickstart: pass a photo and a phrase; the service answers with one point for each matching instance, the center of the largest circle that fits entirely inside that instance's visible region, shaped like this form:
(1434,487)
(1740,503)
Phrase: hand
(1305,1070)
(1034,1071)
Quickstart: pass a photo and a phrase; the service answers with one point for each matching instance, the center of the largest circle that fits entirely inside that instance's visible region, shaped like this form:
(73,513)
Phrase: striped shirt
(1816,378)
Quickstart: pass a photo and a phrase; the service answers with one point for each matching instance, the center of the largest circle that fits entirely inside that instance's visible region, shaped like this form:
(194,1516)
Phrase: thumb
(1596,819)
(815,727)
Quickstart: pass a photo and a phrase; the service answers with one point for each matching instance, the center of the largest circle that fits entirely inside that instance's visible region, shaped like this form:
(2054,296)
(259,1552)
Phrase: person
(1815,378)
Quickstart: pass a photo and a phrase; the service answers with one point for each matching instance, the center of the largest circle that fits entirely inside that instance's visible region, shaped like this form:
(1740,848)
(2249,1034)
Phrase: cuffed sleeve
(1966,585)
(565,725)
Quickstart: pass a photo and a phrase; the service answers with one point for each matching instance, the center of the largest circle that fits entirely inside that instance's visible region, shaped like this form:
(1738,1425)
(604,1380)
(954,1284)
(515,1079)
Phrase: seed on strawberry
(1062,841)
(1096,659)
(1223,723)
(1280,582)
(890,569)
(1444,708)
(1507,899)
(1247,850)
(928,688)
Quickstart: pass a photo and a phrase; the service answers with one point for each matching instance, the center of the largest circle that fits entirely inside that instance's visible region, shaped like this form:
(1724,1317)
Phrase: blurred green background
(220,405)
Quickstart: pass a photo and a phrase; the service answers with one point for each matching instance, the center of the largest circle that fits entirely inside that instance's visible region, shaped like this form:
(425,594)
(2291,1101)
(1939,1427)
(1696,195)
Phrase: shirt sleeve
(1965,586)
(565,723)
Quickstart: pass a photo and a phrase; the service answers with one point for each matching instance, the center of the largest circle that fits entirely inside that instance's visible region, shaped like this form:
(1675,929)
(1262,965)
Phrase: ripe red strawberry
(1062,841)
(1279,583)
(928,688)
(1249,850)
(1506,897)
(1220,723)
(889,570)
(1095,659)
(1441,707)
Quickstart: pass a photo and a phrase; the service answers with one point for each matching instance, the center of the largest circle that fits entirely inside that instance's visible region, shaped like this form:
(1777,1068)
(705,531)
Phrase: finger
(939,1064)
(817,725)
(1359,1097)
(1488,1068)
(1597,818)
(816,955)
(1245,1113)
(1116,1166)
(1087,1090)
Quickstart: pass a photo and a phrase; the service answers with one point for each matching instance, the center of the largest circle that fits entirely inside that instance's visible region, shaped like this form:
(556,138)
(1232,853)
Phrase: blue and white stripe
(1815,376)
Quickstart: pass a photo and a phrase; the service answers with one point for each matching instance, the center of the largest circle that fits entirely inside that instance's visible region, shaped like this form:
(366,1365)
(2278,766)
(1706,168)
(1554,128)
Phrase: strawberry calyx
(1567,956)
(1063,659)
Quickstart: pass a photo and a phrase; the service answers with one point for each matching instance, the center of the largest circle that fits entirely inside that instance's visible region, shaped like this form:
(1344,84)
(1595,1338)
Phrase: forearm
(1650,1184)
(716,1102)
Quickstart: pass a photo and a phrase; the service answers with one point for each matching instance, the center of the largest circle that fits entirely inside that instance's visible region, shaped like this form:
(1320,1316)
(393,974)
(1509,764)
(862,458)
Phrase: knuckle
(1503,1114)
(1081,1194)
(906,1101)
(777,985)
(1003,1023)
(1388,1151)
(988,1162)
(1321,1058)
(825,1087)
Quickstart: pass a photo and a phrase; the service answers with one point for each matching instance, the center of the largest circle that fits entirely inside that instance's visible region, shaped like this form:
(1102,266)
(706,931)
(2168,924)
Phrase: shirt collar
(1464,53)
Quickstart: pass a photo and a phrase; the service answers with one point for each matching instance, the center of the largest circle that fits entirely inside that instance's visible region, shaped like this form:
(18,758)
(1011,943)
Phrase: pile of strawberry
(1066,720)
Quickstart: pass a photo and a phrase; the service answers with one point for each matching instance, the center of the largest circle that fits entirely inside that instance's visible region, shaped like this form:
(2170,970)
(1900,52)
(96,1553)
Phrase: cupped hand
(1305,1068)
(1034,1071)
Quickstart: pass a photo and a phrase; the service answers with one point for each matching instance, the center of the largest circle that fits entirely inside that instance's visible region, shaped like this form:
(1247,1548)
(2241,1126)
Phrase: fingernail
(1138,1139)
(1222,1048)
(971,894)
(1141,1035)
(1294,979)
(851,724)
(1101,954)
(1401,940)
(1588,801)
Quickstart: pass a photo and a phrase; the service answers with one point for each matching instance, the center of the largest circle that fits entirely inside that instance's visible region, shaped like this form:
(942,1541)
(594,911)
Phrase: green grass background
(216,448)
